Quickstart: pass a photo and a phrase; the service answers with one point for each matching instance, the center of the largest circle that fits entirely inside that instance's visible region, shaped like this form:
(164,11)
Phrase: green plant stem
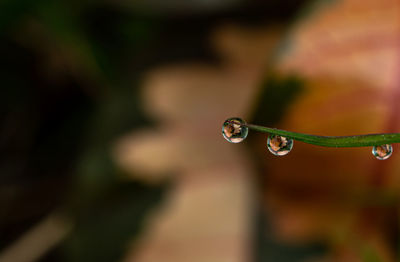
(332,141)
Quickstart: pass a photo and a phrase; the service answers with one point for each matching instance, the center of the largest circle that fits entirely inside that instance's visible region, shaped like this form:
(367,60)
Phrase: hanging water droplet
(234,130)
(279,145)
(382,152)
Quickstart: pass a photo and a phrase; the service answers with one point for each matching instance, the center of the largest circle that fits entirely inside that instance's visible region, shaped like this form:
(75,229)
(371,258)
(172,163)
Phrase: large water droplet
(234,130)
(279,145)
(382,152)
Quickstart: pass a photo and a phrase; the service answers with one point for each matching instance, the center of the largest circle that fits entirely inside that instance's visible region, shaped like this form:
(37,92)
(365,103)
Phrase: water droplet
(234,131)
(279,145)
(382,152)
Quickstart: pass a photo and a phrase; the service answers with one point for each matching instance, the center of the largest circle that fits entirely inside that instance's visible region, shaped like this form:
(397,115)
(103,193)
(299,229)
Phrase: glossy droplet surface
(382,152)
(279,145)
(234,131)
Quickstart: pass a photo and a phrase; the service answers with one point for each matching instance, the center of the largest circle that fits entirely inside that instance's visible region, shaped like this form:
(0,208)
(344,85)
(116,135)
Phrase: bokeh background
(110,134)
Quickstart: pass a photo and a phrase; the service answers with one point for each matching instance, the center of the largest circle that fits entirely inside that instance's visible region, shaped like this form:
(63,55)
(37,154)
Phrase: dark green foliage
(106,228)
(277,94)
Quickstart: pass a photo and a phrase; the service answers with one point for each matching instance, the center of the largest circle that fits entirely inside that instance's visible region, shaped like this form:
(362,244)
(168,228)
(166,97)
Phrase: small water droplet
(279,145)
(234,130)
(382,152)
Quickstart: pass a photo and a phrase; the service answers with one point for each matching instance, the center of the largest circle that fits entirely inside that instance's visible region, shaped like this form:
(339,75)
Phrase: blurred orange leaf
(349,53)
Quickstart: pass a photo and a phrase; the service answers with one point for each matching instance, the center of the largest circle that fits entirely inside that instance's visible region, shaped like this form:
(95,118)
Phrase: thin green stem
(332,141)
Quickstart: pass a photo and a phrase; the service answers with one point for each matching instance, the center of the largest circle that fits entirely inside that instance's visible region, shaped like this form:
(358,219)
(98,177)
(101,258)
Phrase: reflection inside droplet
(279,145)
(382,152)
(234,130)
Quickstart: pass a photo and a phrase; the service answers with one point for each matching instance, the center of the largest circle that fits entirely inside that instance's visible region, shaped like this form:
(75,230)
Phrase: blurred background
(110,134)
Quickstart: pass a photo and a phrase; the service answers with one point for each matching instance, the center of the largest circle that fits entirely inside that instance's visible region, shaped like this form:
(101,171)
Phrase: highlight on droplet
(234,130)
(382,152)
(279,145)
